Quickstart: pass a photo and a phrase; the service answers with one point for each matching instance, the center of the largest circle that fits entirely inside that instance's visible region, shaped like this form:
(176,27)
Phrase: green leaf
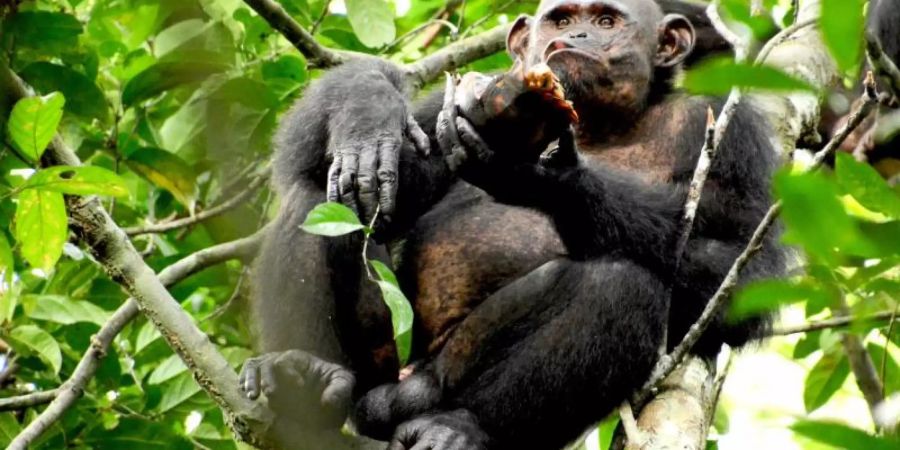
(66,311)
(866,185)
(163,76)
(824,379)
(177,391)
(770,295)
(815,217)
(891,378)
(718,76)
(47,31)
(841,24)
(80,180)
(83,97)
(331,219)
(41,227)
(842,436)
(7,263)
(137,433)
(167,171)
(372,21)
(40,342)
(33,123)
(401,310)
(9,428)
(166,370)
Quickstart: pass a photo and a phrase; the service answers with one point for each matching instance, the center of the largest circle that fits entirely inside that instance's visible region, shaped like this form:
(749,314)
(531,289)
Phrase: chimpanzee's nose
(581,35)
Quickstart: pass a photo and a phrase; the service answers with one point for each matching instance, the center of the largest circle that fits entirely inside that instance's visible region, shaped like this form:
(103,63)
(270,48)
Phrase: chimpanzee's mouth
(561,46)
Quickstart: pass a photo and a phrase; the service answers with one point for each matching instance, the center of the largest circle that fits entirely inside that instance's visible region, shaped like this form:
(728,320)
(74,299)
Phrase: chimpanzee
(539,283)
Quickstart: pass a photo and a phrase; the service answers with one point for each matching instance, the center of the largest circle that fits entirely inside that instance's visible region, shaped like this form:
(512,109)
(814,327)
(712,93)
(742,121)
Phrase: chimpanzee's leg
(533,365)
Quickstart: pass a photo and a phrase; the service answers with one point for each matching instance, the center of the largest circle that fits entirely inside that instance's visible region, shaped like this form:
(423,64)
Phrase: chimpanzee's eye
(606,21)
(563,22)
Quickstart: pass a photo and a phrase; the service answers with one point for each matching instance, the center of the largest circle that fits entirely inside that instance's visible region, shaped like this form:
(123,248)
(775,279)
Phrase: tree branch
(456,55)
(861,364)
(882,63)
(28,400)
(228,205)
(669,362)
(111,248)
(836,322)
(317,55)
(62,398)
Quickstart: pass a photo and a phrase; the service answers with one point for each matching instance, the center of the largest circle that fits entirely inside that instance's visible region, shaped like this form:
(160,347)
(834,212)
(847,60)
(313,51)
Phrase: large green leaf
(9,428)
(64,310)
(163,76)
(47,31)
(401,310)
(841,24)
(41,343)
(83,97)
(167,171)
(867,186)
(770,295)
(815,217)
(41,227)
(891,378)
(718,76)
(824,379)
(81,180)
(372,21)
(331,219)
(33,123)
(177,391)
(842,436)
(166,370)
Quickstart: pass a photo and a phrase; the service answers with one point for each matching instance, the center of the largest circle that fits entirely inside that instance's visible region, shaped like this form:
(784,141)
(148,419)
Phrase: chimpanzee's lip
(551,52)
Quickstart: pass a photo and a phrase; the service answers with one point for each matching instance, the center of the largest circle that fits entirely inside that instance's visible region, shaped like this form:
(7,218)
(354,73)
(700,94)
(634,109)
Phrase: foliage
(171,104)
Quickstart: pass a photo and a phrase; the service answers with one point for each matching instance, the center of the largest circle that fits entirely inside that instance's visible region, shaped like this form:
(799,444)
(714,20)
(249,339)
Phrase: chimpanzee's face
(605,52)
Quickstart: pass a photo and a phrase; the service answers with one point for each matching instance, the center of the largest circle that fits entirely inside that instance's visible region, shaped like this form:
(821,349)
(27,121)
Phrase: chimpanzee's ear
(517,39)
(676,40)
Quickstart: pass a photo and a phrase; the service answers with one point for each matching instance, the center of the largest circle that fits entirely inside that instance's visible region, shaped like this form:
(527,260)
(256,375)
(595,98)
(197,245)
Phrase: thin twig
(882,64)
(885,357)
(315,26)
(226,206)
(836,322)
(668,363)
(629,424)
(28,400)
(861,364)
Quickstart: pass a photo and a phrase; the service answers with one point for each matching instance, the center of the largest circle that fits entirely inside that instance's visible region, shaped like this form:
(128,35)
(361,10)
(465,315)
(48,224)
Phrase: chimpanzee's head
(607,53)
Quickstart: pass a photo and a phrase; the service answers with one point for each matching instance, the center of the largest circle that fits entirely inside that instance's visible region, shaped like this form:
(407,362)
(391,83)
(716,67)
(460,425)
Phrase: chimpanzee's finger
(334,175)
(337,393)
(347,180)
(249,379)
(418,136)
(472,140)
(388,163)
(268,382)
(367,182)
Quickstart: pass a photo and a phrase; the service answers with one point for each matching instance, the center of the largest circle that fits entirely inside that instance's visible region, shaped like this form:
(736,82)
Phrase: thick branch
(226,206)
(456,55)
(113,251)
(65,396)
(861,364)
(279,19)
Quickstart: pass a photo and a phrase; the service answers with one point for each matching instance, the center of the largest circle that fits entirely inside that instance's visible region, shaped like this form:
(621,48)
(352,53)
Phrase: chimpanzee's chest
(467,247)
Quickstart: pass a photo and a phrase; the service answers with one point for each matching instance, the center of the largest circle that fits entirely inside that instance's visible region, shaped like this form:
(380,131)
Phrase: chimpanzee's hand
(456,136)
(456,430)
(284,375)
(366,135)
